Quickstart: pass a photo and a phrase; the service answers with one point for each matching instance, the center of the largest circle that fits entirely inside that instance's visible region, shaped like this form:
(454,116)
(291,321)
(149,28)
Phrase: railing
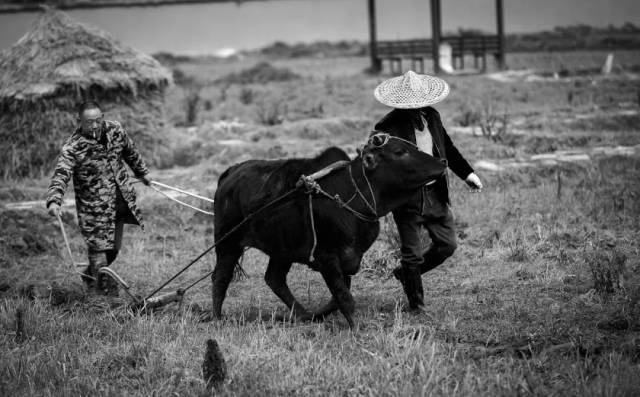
(395,51)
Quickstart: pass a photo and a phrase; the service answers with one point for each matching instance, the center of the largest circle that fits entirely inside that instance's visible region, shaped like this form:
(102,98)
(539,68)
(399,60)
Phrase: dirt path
(518,125)
(558,157)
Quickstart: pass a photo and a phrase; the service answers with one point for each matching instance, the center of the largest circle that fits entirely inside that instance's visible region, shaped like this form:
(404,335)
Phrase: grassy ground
(542,296)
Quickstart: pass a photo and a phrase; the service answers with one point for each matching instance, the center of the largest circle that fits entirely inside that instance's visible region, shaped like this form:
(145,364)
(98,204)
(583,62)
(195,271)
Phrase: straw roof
(59,63)
(59,55)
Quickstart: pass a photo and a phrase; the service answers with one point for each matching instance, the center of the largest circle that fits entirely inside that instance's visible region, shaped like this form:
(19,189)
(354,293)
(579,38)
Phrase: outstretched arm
(460,166)
(60,179)
(133,158)
(456,162)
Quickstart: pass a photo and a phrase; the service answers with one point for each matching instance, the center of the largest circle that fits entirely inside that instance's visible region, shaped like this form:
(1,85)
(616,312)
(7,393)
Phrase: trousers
(436,217)
(98,259)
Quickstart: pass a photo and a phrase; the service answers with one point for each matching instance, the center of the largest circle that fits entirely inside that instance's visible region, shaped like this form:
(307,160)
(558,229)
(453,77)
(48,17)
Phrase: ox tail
(239,273)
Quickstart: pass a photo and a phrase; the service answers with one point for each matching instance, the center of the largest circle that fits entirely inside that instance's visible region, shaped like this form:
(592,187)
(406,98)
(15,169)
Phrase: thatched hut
(59,63)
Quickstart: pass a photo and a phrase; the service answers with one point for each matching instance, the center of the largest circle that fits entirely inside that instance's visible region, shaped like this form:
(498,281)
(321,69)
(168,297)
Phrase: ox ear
(369,161)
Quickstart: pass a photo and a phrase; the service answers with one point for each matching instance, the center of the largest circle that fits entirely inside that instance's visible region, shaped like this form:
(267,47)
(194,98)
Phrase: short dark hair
(86,105)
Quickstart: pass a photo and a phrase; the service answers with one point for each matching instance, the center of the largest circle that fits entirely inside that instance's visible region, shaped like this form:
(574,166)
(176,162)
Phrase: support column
(500,29)
(436,19)
(376,63)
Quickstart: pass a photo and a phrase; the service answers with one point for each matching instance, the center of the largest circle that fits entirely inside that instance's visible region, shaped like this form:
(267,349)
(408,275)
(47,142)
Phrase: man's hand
(474,182)
(53,209)
(146,180)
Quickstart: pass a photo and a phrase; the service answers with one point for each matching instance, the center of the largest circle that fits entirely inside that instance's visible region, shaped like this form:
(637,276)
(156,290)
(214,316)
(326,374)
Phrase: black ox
(385,175)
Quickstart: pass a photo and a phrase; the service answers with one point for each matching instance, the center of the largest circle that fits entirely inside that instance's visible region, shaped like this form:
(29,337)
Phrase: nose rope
(386,137)
(359,192)
(373,196)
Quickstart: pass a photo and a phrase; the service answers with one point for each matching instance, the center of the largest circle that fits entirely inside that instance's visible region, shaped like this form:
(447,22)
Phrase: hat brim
(394,93)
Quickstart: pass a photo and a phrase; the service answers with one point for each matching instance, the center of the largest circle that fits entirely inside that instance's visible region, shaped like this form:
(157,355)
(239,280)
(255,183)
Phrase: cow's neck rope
(313,187)
(372,207)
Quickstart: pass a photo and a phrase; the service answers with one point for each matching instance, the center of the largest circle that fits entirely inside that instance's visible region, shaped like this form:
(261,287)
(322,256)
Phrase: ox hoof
(208,317)
(419,310)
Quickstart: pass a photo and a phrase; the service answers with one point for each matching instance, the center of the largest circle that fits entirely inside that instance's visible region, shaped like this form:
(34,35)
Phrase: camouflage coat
(97,168)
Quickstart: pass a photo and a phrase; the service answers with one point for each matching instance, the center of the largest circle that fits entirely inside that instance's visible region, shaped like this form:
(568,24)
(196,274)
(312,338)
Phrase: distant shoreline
(8,8)
(564,38)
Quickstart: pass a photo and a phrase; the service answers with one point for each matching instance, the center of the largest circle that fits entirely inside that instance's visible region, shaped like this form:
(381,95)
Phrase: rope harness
(313,187)
(180,202)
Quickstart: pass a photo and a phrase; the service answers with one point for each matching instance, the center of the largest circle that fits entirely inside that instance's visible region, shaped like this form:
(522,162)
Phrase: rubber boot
(90,274)
(409,277)
(103,284)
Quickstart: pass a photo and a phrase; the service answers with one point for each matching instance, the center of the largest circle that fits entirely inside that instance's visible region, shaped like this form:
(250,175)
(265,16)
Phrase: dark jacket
(400,123)
(97,170)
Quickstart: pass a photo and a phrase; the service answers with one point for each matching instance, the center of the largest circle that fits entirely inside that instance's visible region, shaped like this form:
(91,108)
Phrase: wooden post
(435,34)
(376,63)
(500,28)
(461,52)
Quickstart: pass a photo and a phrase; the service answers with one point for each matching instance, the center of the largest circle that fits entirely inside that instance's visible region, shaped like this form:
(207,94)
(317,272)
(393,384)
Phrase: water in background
(206,28)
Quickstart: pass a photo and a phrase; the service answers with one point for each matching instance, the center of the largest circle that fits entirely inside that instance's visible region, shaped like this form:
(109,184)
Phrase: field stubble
(542,296)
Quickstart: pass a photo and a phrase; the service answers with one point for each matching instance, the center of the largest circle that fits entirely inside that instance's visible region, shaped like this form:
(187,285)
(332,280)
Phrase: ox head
(396,165)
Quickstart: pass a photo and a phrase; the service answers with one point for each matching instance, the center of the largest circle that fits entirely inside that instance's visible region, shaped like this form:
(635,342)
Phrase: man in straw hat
(413,119)
(105,200)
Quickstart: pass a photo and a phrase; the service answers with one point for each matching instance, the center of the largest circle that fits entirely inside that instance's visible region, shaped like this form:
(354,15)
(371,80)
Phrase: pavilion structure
(417,50)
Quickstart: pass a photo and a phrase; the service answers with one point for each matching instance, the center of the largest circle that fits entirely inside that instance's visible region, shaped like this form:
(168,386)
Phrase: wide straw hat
(411,91)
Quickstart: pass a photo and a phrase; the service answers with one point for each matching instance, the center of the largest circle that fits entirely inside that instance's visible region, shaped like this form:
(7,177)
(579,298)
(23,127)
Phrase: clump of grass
(338,130)
(493,125)
(28,233)
(518,250)
(467,115)
(607,268)
(191,106)
(524,274)
(246,96)
(389,232)
(271,110)
(261,73)
(184,155)
(379,260)
(192,98)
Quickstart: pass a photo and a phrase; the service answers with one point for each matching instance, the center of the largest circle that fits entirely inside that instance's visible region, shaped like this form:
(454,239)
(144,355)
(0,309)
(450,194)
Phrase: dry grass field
(542,296)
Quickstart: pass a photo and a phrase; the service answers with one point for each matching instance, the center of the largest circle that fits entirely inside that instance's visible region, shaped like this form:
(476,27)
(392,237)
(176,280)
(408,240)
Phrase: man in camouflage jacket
(94,156)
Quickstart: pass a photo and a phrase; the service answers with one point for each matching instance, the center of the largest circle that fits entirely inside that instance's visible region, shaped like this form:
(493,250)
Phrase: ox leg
(330,270)
(332,306)
(276,279)
(221,277)
(349,263)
